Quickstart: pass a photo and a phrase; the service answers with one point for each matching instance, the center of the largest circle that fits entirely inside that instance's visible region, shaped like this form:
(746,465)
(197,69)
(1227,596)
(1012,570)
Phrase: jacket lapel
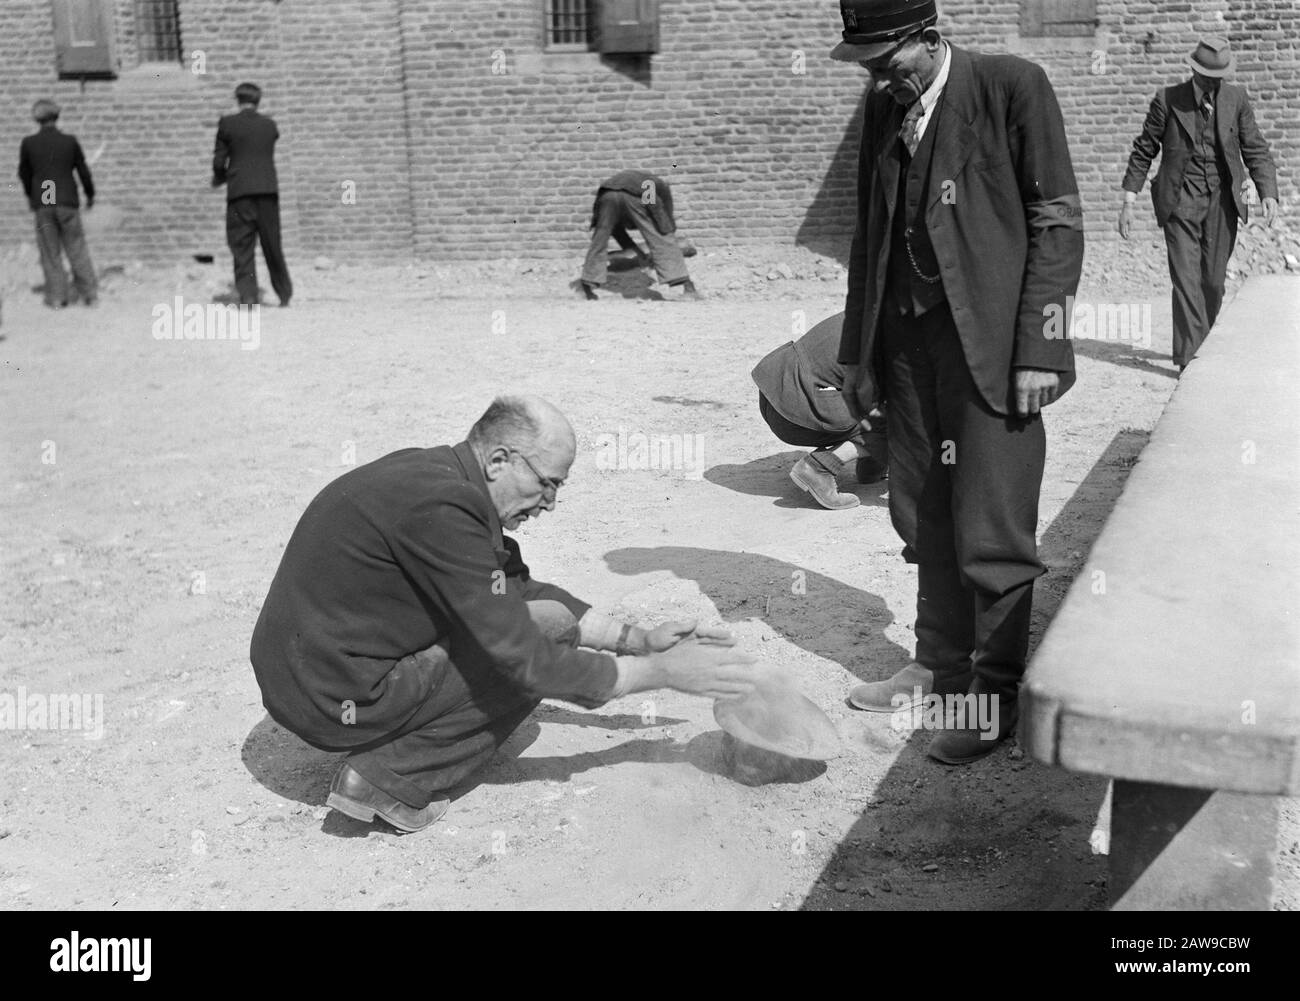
(888,155)
(955,136)
(1182,102)
(1225,112)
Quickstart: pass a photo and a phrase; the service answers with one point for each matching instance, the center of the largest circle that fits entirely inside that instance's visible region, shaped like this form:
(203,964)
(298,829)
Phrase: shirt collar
(469,464)
(1202,94)
(931,95)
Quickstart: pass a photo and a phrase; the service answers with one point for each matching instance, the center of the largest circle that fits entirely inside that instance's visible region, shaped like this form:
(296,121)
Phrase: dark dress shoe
(868,470)
(352,794)
(962,744)
(588,291)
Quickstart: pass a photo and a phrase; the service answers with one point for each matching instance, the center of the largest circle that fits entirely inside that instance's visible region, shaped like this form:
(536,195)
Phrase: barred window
(568,24)
(158,28)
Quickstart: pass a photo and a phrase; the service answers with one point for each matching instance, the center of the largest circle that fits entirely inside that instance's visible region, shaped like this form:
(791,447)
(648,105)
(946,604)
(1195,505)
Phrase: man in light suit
(969,243)
(244,161)
(1206,128)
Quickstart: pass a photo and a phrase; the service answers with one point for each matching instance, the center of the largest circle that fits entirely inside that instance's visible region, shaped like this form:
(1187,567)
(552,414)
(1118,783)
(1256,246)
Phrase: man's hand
(1270,211)
(849,392)
(668,635)
(1036,388)
(716,672)
(1126,220)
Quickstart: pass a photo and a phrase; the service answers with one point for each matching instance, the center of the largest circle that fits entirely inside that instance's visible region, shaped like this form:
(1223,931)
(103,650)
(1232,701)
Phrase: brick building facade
(447,129)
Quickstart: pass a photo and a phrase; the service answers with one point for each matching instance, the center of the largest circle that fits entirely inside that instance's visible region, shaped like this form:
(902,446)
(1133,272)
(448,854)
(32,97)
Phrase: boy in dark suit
(46,164)
(244,161)
(1206,128)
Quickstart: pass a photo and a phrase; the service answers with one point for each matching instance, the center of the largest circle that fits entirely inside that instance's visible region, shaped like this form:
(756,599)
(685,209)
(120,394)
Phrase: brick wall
(465,140)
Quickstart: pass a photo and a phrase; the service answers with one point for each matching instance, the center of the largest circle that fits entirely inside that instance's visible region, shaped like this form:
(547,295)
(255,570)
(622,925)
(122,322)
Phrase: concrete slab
(1175,658)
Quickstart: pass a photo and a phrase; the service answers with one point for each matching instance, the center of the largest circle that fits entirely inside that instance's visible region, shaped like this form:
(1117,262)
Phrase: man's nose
(548,503)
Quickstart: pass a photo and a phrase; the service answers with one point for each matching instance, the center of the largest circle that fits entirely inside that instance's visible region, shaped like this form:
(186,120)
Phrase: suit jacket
(244,158)
(1003,215)
(802,380)
(389,559)
(1171,125)
(632,182)
(51,155)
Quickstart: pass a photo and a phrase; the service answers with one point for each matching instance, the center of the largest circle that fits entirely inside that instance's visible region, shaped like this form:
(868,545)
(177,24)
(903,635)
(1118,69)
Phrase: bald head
(535,430)
(524,422)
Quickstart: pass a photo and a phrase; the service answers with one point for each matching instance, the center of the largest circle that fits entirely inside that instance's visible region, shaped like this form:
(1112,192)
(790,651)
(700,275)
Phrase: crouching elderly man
(404,628)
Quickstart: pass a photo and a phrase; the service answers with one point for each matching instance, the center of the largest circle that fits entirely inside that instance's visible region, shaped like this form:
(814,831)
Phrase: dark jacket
(802,380)
(390,558)
(1171,126)
(51,155)
(1007,232)
(244,158)
(633,182)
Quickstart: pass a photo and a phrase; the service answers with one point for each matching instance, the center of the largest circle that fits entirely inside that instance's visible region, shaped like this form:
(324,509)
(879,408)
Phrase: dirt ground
(151,485)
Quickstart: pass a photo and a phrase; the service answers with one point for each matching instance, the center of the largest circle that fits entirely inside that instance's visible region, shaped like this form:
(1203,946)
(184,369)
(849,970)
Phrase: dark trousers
(616,210)
(963,496)
(1199,237)
(249,219)
(58,231)
(471,711)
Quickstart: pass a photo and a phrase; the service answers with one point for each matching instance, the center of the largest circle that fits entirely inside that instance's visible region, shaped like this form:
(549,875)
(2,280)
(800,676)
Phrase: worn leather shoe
(815,474)
(964,741)
(354,795)
(869,470)
(887,696)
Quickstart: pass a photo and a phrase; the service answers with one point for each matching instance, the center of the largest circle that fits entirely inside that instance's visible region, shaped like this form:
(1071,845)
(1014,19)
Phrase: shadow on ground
(935,837)
(770,477)
(753,586)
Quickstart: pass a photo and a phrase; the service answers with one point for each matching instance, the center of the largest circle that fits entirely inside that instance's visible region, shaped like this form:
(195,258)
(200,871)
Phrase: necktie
(909,133)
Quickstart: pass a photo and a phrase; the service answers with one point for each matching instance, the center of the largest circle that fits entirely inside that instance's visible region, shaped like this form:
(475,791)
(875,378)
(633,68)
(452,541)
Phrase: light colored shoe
(815,473)
(900,691)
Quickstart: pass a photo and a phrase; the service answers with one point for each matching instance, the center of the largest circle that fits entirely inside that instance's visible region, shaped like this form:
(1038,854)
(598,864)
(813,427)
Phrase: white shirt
(931,96)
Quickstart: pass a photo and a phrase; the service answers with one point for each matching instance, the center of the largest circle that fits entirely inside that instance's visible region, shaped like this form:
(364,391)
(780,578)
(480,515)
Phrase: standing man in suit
(47,161)
(969,242)
(1206,128)
(244,161)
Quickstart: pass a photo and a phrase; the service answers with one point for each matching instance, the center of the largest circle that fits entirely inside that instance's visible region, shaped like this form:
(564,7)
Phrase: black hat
(873,27)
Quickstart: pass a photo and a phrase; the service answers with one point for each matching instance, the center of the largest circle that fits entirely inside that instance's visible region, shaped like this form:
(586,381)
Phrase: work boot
(354,795)
(588,291)
(901,691)
(963,740)
(815,473)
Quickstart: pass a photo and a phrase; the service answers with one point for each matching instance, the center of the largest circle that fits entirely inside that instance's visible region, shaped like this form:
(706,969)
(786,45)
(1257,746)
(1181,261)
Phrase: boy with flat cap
(1206,128)
(969,235)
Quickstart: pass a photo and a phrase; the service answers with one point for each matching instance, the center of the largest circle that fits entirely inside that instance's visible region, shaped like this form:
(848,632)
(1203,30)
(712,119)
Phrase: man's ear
(496,462)
(932,38)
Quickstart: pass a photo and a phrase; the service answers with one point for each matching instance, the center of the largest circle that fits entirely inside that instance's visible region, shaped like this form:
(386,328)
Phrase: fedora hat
(1212,57)
(873,27)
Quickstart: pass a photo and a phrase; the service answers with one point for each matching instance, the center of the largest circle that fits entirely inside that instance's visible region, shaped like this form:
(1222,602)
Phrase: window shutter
(1058,17)
(627,26)
(84,38)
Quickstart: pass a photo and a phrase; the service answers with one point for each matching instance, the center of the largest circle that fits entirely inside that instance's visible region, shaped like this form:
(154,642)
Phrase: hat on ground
(775,717)
(1212,57)
(873,27)
(45,110)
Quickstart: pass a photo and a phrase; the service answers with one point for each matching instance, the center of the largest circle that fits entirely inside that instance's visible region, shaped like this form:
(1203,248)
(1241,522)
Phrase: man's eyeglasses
(548,484)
